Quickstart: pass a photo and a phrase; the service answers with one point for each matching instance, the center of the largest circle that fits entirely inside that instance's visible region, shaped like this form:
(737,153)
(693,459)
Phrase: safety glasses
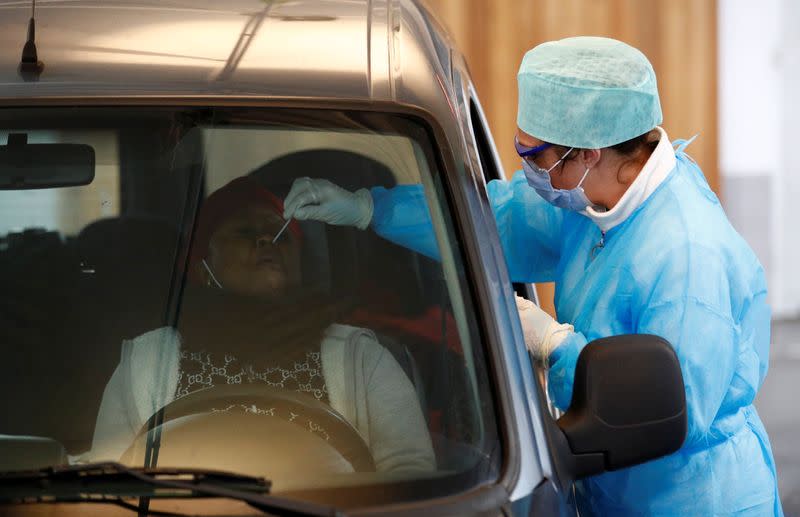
(529,152)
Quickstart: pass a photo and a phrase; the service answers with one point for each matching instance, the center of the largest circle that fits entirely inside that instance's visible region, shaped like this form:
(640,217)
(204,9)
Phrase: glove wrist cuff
(555,336)
(366,208)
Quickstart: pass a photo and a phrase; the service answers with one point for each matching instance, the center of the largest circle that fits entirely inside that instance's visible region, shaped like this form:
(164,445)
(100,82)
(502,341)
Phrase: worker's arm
(528,226)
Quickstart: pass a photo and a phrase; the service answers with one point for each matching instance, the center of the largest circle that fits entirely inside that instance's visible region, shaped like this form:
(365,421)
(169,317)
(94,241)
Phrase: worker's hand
(543,334)
(321,200)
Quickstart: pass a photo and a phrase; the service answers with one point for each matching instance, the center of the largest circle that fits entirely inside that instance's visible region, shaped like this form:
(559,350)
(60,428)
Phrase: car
(118,120)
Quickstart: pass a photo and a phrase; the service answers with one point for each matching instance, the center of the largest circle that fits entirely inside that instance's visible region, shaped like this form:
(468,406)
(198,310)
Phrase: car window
(153,302)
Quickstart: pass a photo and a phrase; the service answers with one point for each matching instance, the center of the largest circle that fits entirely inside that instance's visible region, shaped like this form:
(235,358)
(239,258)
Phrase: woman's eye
(531,162)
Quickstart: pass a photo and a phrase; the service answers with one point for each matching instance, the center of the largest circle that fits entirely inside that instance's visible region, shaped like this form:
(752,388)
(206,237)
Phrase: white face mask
(211,273)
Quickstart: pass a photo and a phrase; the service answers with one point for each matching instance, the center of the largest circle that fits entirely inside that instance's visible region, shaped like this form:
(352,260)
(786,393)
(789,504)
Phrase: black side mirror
(628,404)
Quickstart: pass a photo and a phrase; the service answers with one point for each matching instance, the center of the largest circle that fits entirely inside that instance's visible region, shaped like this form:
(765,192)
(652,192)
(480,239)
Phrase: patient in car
(246,317)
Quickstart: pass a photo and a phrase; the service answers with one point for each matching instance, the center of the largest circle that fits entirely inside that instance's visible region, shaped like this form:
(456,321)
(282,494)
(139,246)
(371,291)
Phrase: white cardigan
(365,385)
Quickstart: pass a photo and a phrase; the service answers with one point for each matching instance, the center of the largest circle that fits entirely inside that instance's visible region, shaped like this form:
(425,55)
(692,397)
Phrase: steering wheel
(270,415)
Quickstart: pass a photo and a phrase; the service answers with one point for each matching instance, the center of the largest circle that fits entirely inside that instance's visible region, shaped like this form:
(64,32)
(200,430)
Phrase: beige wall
(678,36)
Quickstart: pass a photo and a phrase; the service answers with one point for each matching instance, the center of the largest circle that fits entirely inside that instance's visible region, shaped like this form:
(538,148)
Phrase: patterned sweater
(362,380)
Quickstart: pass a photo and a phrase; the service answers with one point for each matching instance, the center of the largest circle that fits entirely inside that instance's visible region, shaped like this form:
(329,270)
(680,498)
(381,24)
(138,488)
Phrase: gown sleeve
(528,226)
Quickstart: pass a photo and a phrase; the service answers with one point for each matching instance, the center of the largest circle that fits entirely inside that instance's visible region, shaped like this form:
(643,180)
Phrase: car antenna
(30,67)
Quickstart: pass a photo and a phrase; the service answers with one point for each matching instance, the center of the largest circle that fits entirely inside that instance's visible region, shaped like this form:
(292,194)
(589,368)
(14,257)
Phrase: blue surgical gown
(675,268)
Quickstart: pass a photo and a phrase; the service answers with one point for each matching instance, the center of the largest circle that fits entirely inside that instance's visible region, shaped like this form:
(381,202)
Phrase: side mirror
(628,404)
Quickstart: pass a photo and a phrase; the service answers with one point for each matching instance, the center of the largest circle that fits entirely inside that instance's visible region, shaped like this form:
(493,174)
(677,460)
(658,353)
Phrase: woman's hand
(321,200)
(543,334)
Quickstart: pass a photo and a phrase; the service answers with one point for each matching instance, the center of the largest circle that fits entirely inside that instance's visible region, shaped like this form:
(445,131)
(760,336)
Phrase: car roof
(337,49)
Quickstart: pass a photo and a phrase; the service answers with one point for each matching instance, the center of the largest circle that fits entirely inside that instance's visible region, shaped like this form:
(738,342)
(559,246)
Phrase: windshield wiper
(114,482)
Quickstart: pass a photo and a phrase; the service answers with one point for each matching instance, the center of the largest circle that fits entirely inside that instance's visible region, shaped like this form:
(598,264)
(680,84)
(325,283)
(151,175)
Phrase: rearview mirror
(33,166)
(628,404)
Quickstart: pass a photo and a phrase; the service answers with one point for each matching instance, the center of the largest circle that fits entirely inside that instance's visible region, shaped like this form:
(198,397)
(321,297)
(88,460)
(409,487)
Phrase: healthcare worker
(636,242)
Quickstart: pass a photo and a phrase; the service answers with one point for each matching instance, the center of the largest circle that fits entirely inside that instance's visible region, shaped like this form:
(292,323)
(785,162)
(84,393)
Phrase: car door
(549,497)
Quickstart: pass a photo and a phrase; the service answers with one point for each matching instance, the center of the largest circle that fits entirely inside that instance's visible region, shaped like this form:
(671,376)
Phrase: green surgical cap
(587,92)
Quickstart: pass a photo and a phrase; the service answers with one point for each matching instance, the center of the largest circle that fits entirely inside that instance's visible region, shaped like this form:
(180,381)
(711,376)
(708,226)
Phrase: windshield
(166,315)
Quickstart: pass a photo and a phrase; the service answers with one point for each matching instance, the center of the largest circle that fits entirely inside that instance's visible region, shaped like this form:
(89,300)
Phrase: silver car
(373,379)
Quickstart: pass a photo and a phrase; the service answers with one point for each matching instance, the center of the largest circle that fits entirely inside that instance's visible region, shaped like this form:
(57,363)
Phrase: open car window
(129,315)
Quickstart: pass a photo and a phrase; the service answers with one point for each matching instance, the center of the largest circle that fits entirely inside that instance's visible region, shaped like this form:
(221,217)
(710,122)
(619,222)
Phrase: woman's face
(564,175)
(245,261)
(600,185)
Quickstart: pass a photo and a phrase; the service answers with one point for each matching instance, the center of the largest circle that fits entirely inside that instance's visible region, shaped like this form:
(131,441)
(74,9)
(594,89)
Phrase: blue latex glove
(321,200)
